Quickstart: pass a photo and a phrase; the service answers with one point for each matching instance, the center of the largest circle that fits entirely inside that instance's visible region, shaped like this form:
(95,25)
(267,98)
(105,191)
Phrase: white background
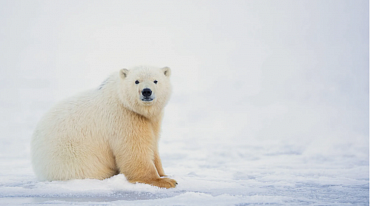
(270,99)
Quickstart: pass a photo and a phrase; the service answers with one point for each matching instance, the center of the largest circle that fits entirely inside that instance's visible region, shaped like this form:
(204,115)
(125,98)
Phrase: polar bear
(106,131)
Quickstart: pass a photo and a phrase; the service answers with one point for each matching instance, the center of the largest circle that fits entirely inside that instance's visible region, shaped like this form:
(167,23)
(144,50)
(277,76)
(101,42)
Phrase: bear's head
(145,90)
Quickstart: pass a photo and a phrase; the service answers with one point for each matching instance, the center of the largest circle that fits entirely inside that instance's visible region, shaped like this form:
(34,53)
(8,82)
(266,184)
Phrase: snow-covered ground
(270,101)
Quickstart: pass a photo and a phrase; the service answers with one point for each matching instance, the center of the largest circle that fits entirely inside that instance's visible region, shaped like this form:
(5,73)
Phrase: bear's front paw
(164,183)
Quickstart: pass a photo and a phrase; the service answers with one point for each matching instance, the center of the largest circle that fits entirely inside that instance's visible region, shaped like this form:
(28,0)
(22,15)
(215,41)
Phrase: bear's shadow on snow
(127,195)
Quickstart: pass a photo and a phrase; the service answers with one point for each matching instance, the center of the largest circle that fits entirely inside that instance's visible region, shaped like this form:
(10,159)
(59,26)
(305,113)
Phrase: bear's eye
(137,82)
(155,81)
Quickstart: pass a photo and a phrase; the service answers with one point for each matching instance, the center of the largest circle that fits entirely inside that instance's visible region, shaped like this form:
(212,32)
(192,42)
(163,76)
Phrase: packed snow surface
(270,104)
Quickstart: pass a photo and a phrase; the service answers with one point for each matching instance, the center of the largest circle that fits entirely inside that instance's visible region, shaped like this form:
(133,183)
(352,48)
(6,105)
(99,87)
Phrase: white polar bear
(103,132)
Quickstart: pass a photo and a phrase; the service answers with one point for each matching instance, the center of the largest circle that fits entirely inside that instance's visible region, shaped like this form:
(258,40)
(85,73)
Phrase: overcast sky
(270,69)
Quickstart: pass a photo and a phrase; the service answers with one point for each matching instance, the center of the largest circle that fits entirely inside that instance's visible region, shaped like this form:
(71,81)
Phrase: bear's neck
(149,112)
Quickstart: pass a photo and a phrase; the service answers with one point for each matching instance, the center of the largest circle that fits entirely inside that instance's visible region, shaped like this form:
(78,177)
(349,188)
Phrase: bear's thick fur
(103,132)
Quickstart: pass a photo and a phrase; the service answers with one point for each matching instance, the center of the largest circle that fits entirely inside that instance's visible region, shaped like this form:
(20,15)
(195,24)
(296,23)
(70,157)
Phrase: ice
(270,101)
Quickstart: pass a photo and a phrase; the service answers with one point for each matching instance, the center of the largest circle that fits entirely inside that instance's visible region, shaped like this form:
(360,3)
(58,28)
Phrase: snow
(270,100)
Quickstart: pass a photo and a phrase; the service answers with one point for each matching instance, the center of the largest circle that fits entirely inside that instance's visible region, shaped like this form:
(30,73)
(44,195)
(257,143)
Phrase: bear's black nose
(146,92)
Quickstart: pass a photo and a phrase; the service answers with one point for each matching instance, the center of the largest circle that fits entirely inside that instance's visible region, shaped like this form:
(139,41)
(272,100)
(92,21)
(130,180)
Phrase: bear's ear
(166,71)
(123,73)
